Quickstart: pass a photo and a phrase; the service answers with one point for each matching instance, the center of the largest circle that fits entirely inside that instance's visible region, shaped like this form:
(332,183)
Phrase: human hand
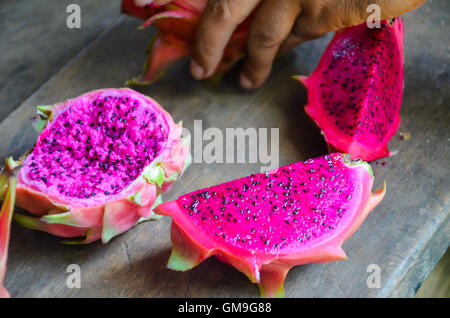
(276,26)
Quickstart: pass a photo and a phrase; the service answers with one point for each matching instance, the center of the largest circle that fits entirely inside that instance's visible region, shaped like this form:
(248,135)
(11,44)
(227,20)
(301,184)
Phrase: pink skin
(194,239)
(373,94)
(100,216)
(177,22)
(6,213)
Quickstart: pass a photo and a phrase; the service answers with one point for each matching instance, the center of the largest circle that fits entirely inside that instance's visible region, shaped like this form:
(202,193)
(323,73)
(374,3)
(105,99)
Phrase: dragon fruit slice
(176,23)
(266,223)
(7,194)
(99,165)
(355,93)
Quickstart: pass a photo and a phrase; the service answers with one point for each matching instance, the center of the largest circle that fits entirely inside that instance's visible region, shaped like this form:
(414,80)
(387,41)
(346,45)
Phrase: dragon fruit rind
(176,23)
(266,223)
(7,194)
(355,93)
(99,165)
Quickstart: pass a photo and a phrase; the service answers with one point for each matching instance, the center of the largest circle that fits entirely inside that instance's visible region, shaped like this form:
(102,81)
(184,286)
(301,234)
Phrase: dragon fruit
(266,223)
(99,165)
(8,195)
(176,23)
(355,93)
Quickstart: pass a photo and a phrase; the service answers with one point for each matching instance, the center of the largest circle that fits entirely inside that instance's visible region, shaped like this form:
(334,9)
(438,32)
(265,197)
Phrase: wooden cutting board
(44,62)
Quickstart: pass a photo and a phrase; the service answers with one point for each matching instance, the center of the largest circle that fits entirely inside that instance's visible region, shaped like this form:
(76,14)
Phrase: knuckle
(220,10)
(265,38)
(307,28)
(339,14)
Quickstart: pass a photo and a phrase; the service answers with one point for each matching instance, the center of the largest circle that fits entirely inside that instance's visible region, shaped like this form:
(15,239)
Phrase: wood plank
(36,42)
(405,235)
(437,283)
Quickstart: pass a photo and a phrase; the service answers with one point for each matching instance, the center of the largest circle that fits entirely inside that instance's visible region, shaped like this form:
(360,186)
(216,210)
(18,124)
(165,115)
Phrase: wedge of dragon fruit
(176,23)
(355,93)
(99,165)
(266,223)
(7,195)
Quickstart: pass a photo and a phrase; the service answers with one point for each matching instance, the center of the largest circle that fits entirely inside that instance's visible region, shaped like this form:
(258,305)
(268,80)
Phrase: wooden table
(44,62)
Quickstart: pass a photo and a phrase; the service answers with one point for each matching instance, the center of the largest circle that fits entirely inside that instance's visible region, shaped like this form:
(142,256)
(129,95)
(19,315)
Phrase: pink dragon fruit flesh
(176,23)
(266,223)
(355,93)
(99,165)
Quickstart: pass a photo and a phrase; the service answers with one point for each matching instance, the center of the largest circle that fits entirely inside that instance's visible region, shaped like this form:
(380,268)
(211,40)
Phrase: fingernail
(245,82)
(196,70)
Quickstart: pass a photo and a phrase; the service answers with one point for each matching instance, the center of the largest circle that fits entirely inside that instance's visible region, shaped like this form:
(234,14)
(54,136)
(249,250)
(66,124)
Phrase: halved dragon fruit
(266,223)
(99,165)
(355,93)
(176,23)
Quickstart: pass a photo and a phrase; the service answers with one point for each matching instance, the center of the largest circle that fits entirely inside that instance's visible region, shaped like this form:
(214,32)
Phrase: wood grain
(405,235)
(36,43)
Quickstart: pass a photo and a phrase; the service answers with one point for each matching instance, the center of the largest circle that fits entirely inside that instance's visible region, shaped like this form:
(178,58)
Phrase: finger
(142,3)
(340,14)
(219,20)
(271,25)
(388,9)
(305,29)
